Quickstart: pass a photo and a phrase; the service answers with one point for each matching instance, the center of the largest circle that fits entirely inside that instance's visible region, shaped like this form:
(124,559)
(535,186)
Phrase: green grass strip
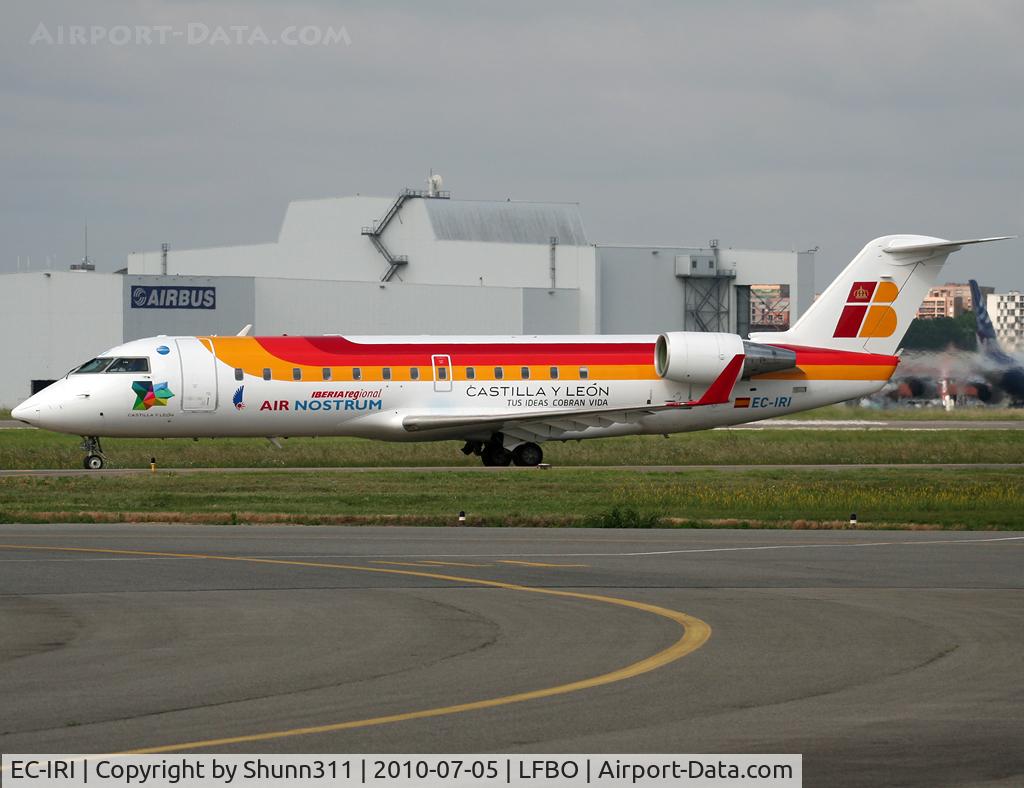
(979,499)
(26,449)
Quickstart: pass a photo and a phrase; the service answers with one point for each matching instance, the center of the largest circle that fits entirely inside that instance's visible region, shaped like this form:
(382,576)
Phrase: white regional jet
(502,396)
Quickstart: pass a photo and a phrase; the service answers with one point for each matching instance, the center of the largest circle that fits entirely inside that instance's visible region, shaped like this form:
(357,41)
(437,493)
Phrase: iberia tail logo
(867,313)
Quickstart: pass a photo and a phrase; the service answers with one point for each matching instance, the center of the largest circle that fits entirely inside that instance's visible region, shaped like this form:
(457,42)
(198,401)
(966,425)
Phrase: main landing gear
(493,453)
(529,454)
(94,456)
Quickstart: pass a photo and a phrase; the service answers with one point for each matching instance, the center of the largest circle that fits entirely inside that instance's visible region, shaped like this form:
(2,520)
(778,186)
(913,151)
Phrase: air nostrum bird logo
(148,395)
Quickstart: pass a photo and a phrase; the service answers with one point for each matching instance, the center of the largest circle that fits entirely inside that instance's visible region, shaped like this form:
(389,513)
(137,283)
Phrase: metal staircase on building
(374,232)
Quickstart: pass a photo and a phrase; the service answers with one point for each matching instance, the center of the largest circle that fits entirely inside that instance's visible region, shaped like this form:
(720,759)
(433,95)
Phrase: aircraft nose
(27,411)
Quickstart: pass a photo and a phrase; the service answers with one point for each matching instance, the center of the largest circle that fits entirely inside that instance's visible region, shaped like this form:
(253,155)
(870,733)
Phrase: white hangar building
(421,263)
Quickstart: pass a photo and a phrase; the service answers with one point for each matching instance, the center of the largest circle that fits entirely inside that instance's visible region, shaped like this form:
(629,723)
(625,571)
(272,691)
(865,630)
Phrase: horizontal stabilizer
(896,247)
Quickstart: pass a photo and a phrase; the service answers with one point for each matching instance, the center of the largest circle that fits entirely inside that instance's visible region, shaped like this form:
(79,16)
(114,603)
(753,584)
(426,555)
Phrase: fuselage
(369,387)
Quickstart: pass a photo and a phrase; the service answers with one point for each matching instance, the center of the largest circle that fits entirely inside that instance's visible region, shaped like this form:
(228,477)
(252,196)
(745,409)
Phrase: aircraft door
(198,374)
(442,372)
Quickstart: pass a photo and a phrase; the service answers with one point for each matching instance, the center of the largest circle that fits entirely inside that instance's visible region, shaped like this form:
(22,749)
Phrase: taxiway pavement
(883,657)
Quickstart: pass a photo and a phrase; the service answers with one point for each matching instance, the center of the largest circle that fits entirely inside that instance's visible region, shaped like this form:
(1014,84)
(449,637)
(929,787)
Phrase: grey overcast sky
(776,124)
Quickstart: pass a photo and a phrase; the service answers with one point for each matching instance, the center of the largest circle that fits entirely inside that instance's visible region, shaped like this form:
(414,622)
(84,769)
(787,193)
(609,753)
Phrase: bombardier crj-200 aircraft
(502,396)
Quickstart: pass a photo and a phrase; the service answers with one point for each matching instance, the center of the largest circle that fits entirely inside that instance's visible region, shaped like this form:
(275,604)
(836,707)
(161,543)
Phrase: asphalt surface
(885,658)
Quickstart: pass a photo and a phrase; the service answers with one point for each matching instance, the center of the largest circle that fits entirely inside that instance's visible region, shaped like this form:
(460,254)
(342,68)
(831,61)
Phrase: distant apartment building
(769,307)
(949,300)
(1007,313)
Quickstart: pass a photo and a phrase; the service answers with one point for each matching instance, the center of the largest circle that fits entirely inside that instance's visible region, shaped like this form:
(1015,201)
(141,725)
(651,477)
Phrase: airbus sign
(165,297)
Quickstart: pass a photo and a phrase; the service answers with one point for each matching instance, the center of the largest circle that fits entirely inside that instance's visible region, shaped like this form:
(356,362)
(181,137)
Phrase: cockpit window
(93,367)
(129,365)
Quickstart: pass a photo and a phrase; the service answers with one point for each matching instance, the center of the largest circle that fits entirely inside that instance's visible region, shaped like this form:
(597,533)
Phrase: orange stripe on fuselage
(826,364)
(602,361)
(832,372)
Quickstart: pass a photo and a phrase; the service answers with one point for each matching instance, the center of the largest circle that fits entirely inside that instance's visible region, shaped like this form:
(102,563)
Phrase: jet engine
(699,357)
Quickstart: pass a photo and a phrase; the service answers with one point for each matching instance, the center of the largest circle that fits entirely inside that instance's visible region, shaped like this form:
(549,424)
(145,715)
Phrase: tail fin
(870,305)
(986,332)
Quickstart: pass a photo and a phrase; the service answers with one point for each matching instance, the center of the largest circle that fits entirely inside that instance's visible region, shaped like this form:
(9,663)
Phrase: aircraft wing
(547,424)
(536,424)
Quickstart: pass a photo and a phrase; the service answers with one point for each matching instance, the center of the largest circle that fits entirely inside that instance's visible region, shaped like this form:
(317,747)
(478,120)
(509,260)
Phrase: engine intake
(694,356)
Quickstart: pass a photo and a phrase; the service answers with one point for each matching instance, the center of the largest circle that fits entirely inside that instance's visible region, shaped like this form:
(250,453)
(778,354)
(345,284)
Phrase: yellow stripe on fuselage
(252,359)
(247,354)
(832,372)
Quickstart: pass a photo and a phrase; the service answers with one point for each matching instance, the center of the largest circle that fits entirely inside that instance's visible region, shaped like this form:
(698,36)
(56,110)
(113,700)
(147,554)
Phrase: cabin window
(414,373)
(266,373)
(584,373)
(327,373)
(470,373)
(524,373)
(239,374)
(386,373)
(296,374)
(499,373)
(94,366)
(357,373)
(442,373)
(129,365)
(554,373)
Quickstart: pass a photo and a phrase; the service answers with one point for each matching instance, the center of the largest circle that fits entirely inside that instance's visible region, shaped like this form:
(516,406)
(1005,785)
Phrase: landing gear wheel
(93,462)
(495,456)
(528,454)
(94,459)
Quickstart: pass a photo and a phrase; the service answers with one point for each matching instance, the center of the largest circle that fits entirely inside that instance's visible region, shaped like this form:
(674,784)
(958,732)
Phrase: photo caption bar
(399,771)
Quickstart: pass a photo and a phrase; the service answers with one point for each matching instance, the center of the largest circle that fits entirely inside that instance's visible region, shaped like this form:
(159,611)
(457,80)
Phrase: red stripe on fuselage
(338,351)
(818,356)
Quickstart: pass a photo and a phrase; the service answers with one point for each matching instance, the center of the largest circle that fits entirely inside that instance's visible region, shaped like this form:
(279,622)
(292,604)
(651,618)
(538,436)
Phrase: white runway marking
(631,554)
(653,552)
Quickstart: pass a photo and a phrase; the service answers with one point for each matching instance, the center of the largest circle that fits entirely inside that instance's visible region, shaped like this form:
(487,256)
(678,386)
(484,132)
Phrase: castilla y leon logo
(867,312)
(237,399)
(148,395)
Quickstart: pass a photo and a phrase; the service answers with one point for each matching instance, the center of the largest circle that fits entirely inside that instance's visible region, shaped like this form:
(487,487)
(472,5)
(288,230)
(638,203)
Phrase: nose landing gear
(94,456)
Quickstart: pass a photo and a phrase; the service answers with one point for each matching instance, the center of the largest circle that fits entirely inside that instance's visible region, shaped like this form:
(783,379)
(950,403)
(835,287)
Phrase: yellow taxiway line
(695,634)
(537,563)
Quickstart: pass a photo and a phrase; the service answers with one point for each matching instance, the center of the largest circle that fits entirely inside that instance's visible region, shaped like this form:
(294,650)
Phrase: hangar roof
(506,222)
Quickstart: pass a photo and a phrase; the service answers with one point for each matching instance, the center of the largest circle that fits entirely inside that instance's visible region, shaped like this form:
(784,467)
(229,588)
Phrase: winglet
(718,393)
(245,331)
